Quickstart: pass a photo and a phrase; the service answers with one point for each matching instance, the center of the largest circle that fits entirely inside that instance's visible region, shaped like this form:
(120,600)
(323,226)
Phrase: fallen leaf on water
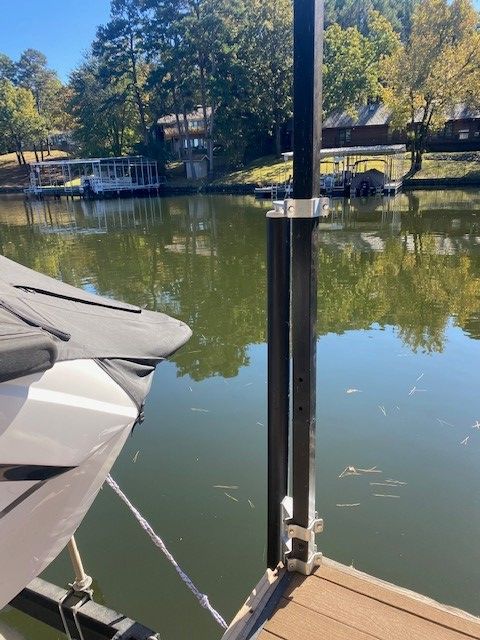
(134,459)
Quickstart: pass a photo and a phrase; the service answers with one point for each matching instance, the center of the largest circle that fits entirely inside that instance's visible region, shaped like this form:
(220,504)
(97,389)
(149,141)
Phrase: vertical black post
(308,41)
(307,96)
(278,260)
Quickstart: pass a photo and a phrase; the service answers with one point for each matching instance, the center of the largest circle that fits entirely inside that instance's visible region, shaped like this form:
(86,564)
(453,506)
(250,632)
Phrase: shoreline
(410,184)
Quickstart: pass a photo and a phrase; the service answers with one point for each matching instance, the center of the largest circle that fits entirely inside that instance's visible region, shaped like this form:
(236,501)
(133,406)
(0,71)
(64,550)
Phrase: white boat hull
(60,433)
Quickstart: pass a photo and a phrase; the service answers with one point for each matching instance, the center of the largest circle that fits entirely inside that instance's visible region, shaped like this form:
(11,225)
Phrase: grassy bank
(463,164)
(13,175)
(439,166)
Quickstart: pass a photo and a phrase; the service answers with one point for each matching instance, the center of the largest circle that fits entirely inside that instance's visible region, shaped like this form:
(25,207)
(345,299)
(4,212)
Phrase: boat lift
(351,171)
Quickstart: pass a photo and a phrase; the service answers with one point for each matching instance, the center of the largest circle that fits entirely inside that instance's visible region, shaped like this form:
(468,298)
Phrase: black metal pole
(307,97)
(278,259)
(308,41)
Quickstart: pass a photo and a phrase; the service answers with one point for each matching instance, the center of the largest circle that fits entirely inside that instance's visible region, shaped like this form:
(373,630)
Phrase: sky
(62,29)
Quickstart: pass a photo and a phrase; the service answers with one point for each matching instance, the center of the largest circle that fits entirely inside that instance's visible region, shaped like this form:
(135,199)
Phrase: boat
(75,369)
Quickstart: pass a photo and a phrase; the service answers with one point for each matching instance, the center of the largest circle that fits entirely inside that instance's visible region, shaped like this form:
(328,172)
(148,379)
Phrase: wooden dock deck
(340,603)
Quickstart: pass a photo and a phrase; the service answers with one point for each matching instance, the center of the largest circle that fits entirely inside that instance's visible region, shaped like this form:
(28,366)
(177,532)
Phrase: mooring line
(158,542)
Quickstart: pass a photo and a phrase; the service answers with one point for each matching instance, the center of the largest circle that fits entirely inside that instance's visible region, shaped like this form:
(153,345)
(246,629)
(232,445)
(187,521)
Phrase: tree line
(233,61)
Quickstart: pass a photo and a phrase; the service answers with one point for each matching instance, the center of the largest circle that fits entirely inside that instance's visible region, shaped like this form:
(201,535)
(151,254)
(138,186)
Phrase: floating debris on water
(199,410)
(231,497)
(449,424)
(352,471)
(354,391)
(260,424)
(191,389)
(383,484)
(248,384)
(349,471)
(465,441)
(476,425)
(385,495)
(225,486)
(134,459)
(399,482)
(419,377)
(382,409)
(251,503)
(412,391)
(348,504)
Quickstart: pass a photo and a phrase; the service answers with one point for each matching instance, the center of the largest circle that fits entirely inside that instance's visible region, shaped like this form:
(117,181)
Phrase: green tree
(32,73)
(119,48)
(7,68)
(20,123)
(350,69)
(106,118)
(355,13)
(435,70)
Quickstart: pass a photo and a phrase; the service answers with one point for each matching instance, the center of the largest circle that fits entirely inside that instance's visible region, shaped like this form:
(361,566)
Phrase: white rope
(158,542)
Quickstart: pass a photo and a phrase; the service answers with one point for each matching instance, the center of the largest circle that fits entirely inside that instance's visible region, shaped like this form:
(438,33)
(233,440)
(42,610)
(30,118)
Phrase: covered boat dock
(94,177)
(360,171)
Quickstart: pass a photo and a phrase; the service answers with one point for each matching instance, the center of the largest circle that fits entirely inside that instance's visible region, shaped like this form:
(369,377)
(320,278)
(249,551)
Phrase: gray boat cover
(43,321)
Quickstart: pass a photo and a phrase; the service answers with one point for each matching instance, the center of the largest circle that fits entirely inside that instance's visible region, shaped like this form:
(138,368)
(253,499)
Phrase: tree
(20,122)
(7,68)
(350,69)
(119,48)
(355,13)
(435,70)
(106,118)
(32,73)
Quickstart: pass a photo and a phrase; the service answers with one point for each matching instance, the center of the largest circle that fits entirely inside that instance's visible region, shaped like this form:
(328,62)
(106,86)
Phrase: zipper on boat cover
(58,333)
(62,296)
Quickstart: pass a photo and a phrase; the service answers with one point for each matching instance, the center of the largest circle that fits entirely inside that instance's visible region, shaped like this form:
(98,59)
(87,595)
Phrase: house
(371,125)
(168,129)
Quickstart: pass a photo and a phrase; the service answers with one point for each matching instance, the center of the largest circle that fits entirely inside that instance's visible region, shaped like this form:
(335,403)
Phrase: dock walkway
(340,603)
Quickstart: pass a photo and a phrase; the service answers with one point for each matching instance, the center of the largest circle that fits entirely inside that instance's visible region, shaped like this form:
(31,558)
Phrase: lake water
(398,389)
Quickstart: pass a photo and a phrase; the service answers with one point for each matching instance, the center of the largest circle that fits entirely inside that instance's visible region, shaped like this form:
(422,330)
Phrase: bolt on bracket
(305,534)
(305,568)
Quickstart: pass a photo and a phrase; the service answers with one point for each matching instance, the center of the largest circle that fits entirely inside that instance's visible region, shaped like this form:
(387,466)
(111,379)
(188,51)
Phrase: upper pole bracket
(300,208)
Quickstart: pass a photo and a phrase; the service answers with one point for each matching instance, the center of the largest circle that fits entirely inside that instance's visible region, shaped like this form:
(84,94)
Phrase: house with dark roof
(371,125)
(173,131)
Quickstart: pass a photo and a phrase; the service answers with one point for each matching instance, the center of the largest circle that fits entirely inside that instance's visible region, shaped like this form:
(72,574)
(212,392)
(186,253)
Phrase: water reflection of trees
(203,260)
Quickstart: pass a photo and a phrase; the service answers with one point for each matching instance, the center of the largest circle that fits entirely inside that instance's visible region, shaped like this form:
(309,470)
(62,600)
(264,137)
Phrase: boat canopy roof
(343,152)
(43,321)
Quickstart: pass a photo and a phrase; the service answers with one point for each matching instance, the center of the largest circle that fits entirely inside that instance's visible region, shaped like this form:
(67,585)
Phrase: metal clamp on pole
(308,208)
(294,531)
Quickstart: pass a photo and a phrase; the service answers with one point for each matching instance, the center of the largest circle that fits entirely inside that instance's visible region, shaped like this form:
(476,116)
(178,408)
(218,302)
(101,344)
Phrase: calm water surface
(399,322)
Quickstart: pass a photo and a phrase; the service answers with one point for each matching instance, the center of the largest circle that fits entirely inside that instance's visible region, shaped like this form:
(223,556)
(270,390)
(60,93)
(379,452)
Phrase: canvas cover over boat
(43,321)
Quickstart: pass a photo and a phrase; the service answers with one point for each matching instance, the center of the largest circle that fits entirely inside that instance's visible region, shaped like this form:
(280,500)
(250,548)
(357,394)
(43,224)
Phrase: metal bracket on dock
(305,568)
(308,535)
(300,208)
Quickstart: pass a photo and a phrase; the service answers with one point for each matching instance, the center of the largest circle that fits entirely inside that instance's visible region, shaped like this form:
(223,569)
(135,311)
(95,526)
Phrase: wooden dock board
(341,603)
